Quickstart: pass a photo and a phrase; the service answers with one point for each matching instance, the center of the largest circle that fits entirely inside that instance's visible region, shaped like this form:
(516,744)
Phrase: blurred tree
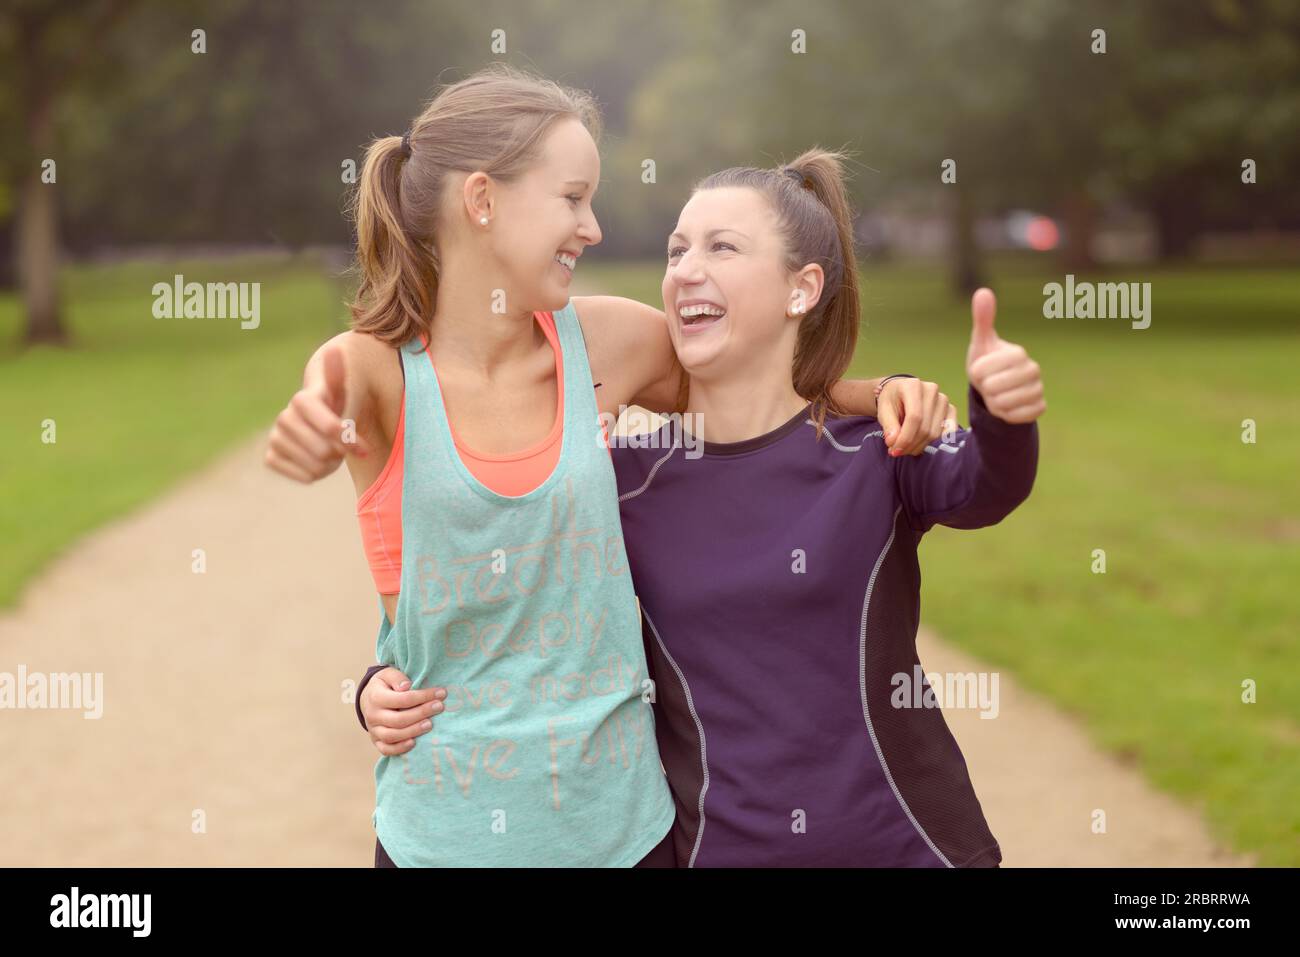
(48,49)
(1208,86)
(1019,94)
(891,82)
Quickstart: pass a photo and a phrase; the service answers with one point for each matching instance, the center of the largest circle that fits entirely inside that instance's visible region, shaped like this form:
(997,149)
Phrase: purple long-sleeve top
(780,596)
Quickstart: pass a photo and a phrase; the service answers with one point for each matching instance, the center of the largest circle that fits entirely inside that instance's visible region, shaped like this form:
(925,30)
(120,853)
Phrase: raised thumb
(983,308)
(336,374)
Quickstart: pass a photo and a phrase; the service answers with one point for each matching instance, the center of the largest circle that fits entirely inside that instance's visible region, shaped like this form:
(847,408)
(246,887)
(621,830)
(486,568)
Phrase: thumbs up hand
(334,392)
(310,438)
(1009,381)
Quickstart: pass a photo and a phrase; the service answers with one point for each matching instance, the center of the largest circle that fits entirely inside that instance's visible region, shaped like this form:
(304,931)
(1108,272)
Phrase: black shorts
(660,856)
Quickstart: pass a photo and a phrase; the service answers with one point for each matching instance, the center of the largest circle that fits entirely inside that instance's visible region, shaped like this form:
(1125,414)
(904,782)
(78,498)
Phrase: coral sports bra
(379,509)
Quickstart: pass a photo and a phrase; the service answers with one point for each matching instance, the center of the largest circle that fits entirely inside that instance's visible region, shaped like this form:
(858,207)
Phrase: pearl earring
(482,220)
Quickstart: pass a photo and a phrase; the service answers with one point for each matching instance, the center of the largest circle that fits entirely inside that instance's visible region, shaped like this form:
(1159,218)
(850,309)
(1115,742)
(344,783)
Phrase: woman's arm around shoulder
(630,352)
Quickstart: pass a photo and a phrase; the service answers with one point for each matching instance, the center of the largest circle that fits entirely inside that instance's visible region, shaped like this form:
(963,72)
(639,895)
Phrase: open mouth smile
(698,316)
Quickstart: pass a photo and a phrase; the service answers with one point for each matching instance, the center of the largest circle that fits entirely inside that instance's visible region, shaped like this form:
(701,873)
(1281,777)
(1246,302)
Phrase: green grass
(1141,456)
(139,402)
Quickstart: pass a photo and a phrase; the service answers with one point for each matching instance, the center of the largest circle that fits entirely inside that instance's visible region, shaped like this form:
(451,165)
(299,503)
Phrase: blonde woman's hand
(913,413)
(310,437)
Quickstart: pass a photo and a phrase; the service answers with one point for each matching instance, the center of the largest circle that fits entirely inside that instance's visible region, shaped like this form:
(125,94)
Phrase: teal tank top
(522,608)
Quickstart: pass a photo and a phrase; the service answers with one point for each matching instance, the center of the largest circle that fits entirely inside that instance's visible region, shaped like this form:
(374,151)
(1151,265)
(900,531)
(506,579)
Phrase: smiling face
(541,223)
(727,290)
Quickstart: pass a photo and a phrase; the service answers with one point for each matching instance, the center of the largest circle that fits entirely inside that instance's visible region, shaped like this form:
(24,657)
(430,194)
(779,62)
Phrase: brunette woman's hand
(1008,380)
(395,713)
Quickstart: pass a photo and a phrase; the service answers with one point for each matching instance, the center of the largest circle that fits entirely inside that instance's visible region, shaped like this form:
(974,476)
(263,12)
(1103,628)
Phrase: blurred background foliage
(245,142)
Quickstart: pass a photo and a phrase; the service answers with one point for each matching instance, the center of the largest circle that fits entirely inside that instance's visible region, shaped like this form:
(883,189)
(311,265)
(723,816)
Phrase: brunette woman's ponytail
(829,336)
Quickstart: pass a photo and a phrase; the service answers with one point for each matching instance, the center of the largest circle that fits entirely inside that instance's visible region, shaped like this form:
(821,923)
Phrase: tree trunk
(38,266)
(38,232)
(967,268)
(1177,224)
(1080,225)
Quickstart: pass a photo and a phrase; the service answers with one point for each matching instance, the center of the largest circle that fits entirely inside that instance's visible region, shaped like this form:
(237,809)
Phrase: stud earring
(482,220)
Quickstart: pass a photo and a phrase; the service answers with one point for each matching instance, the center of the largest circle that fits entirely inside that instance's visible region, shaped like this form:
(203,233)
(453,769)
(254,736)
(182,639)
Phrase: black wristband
(370,673)
(897,375)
